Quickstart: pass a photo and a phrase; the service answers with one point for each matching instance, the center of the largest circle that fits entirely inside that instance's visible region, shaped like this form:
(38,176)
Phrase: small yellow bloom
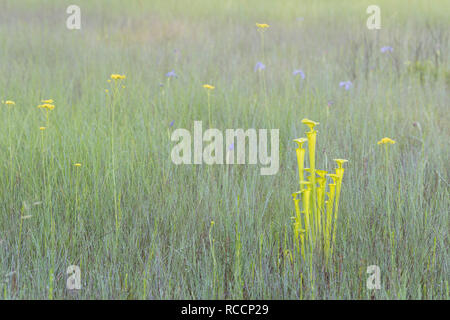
(106,90)
(47,101)
(212,223)
(386,141)
(10,102)
(262,26)
(77,164)
(42,128)
(115,76)
(208,86)
(47,106)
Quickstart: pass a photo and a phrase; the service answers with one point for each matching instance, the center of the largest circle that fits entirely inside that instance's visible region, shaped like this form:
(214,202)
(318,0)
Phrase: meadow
(90,181)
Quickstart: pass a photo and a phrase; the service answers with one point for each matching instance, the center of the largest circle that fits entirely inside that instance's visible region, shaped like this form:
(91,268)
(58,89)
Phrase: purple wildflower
(346,84)
(231,147)
(387,49)
(171,123)
(259,66)
(171,74)
(300,72)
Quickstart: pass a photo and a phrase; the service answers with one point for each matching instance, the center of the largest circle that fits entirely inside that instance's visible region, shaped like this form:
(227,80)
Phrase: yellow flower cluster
(115,76)
(47,106)
(386,141)
(208,86)
(9,103)
(262,26)
(316,209)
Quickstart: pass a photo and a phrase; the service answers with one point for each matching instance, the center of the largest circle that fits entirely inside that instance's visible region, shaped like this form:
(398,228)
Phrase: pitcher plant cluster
(316,209)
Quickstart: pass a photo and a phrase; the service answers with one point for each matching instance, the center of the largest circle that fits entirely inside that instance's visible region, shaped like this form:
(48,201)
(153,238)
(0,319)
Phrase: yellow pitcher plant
(316,210)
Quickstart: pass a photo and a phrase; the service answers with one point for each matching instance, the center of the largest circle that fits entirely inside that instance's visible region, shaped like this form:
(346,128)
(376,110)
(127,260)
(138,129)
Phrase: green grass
(164,246)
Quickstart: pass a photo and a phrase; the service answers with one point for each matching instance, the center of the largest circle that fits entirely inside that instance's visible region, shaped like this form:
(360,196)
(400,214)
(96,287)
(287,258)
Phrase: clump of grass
(213,256)
(261,27)
(10,104)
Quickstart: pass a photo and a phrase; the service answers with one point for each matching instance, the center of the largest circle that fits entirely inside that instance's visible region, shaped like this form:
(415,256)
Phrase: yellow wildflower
(208,86)
(262,26)
(42,128)
(386,140)
(77,164)
(47,106)
(50,101)
(115,76)
(10,102)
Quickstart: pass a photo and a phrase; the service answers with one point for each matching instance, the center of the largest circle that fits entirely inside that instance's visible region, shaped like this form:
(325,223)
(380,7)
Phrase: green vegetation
(141,227)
